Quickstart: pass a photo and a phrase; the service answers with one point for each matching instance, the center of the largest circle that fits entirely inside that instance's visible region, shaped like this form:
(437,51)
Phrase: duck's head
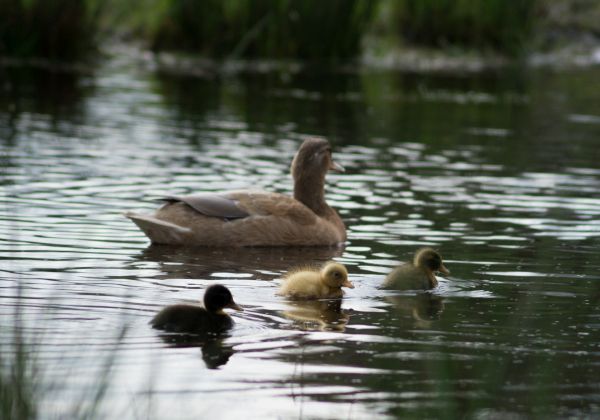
(218,297)
(335,275)
(313,159)
(431,260)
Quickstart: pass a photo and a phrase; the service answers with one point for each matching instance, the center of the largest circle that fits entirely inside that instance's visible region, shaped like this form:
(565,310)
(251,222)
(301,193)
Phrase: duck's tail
(159,231)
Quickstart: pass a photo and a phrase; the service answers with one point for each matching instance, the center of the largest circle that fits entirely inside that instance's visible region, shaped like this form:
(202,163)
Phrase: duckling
(196,319)
(312,283)
(419,273)
(254,218)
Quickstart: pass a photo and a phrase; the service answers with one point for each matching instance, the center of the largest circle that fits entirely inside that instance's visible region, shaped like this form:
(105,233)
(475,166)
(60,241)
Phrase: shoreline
(569,56)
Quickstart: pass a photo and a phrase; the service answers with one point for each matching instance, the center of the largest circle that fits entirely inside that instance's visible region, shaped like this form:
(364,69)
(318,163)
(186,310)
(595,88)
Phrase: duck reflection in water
(423,309)
(201,262)
(200,326)
(318,315)
(215,352)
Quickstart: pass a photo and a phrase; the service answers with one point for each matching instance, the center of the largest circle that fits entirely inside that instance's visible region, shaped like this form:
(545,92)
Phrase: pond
(499,171)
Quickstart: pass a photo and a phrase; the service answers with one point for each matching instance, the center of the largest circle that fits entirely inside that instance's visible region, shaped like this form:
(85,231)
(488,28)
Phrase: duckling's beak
(333,166)
(348,284)
(444,270)
(235,306)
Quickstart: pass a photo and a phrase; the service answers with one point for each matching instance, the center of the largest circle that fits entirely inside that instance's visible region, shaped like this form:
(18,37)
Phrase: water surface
(499,171)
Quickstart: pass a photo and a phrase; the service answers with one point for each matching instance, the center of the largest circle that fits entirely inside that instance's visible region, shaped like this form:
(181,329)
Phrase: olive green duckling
(187,318)
(418,274)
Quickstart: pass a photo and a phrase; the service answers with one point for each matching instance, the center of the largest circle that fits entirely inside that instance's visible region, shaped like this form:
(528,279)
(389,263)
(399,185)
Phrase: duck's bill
(333,166)
(444,270)
(235,306)
(348,284)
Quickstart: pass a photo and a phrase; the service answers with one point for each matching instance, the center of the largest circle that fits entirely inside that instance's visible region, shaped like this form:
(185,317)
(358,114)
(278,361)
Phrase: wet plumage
(418,274)
(186,318)
(316,283)
(254,218)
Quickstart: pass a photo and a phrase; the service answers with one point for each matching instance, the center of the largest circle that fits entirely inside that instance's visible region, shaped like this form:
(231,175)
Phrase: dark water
(499,171)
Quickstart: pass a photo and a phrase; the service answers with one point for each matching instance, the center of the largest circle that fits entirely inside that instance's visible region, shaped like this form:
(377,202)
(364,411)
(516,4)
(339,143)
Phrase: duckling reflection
(423,308)
(214,352)
(264,263)
(418,274)
(318,315)
(316,283)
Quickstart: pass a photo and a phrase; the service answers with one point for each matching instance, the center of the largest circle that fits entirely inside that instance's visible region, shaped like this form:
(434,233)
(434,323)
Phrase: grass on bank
(49,29)
(307,29)
(329,30)
(494,25)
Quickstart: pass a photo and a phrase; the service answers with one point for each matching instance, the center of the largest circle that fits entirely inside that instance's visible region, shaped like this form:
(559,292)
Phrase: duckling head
(335,275)
(431,260)
(218,297)
(314,159)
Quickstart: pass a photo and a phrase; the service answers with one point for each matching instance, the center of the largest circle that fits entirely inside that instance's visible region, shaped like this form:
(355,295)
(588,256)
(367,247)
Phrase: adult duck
(254,218)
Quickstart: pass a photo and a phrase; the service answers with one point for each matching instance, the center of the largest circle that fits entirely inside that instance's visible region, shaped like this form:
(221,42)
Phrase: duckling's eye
(323,152)
(435,263)
(337,274)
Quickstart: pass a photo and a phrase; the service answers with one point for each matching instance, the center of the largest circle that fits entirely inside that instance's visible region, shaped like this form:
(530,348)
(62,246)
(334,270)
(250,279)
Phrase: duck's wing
(214,205)
(185,318)
(182,318)
(241,204)
(260,203)
(405,277)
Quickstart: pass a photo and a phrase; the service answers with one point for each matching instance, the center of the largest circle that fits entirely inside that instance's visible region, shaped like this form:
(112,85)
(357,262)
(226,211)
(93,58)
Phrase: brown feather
(215,205)
(418,274)
(254,218)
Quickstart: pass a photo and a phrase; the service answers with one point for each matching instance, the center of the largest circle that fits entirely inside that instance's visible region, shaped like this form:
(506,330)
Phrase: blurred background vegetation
(57,29)
(283,29)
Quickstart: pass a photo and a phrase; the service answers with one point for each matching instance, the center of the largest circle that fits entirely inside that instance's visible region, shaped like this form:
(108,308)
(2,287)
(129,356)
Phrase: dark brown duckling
(254,218)
(417,275)
(186,318)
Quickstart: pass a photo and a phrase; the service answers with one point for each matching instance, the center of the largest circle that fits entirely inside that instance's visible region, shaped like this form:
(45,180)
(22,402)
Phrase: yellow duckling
(417,274)
(312,283)
(196,319)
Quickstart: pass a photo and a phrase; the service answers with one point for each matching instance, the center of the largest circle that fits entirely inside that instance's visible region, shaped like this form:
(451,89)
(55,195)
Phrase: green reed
(25,383)
(307,29)
(17,387)
(499,25)
(298,29)
(50,29)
